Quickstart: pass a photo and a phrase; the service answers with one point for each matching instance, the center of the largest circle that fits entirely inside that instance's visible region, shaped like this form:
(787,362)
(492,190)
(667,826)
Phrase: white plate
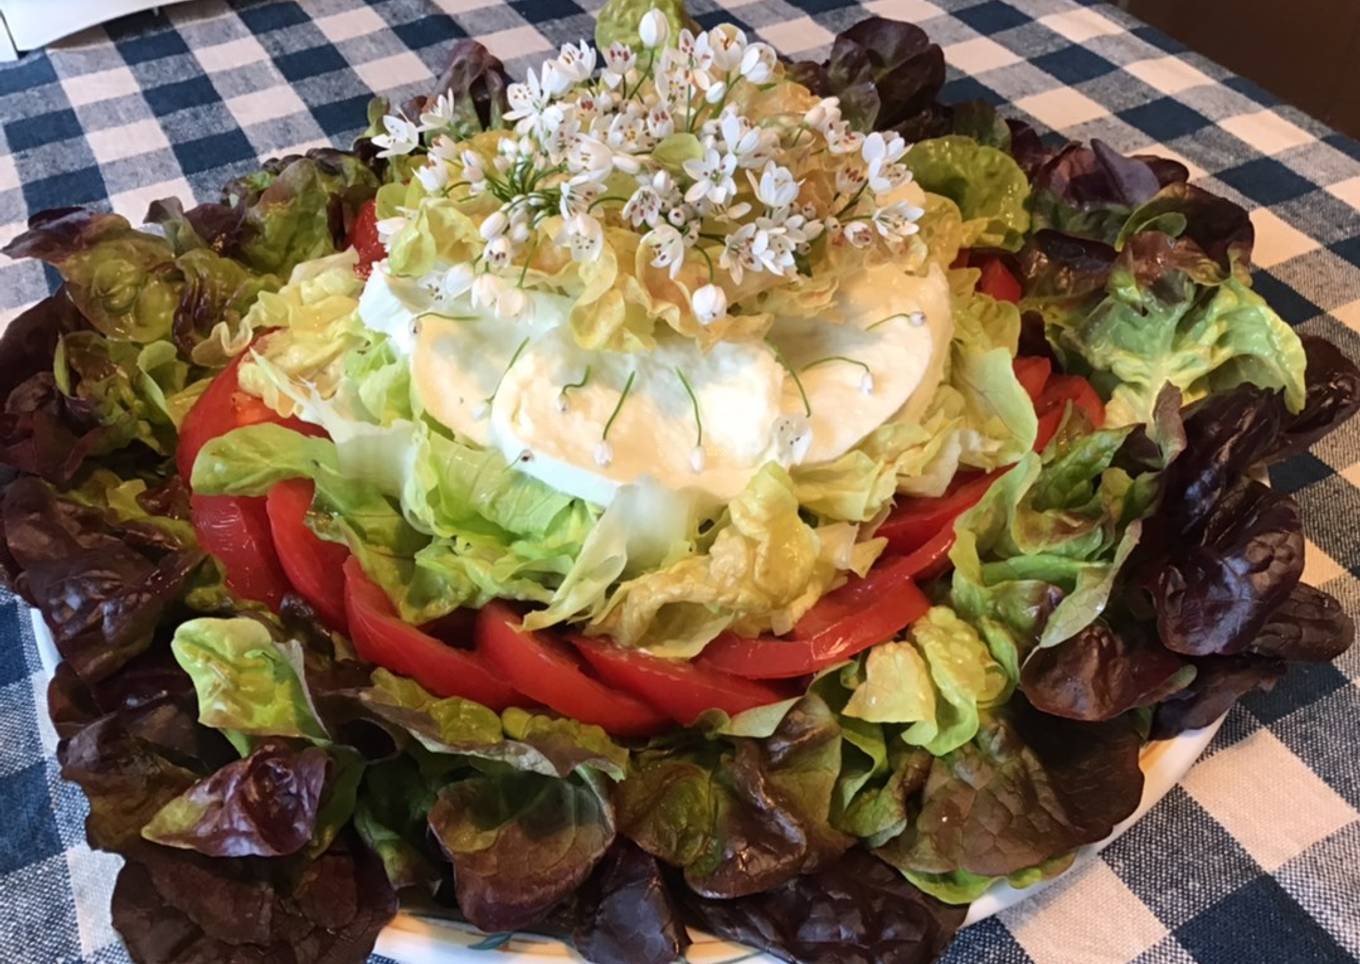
(411,939)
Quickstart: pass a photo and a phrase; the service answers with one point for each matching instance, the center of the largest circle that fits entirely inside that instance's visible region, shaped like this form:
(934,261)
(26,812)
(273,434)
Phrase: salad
(682,487)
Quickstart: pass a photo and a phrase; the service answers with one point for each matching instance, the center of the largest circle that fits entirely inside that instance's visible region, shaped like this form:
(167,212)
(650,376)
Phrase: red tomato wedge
(363,238)
(313,565)
(221,408)
(682,690)
(382,638)
(932,557)
(235,530)
(1075,389)
(1048,427)
(1032,372)
(916,520)
(997,280)
(549,670)
(862,613)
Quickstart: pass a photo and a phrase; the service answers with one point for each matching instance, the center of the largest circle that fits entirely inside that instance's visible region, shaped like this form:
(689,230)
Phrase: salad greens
(272,793)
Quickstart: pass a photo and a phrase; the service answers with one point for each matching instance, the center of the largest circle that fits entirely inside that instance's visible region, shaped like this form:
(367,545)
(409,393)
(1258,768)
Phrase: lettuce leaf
(988,186)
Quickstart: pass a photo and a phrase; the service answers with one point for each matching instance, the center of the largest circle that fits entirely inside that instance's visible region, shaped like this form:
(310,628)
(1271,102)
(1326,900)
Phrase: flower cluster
(667,141)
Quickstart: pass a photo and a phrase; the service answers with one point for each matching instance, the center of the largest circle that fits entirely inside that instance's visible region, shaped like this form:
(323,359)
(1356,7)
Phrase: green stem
(884,321)
(798,382)
(606,197)
(623,396)
(579,383)
(708,258)
(529,256)
(511,364)
(837,358)
(854,200)
(693,400)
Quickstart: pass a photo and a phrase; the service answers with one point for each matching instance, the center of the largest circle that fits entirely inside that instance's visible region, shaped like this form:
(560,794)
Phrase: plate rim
(411,937)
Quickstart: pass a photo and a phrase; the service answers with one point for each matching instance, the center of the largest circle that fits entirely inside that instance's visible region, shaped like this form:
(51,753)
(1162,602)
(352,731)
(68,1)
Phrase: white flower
(850,178)
(883,150)
(493,292)
(577,198)
(388,228)
(709,303)
(842,140)
(884,178)
(401,136)
(728,45)
(433,177)
(716,92)
(660,123)
(758,62)
(495,224)
(576,61)
(440,116)
(696,459)
(604,452)
(627,163)
(498,252)
(866,382)
(655,29)
(668,247)
(776,187)
(628,133)
(584,235)
(445,148)
(457,280)
(739,137)
(824,113)
(556,78)
(619,59)
(531,106)
(858,233)
(590,159)
(712,177)
(898,220)
(645,204)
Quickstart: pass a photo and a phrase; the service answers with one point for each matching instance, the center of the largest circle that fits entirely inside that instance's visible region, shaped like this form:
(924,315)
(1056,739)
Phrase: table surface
(1256,857)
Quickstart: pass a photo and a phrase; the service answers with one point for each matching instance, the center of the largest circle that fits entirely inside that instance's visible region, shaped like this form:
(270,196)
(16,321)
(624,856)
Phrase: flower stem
(798,382)
(693,400)
(623,396)
(837,358)
(509,365)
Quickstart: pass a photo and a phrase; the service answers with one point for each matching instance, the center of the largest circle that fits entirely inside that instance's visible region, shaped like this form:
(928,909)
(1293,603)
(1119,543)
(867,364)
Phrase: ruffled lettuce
(988,186)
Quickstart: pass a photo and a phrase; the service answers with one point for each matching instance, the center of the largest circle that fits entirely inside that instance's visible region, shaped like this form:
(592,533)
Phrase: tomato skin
(313,565)
(221,408)
(931,558)
(380,637)
(681,689)
(915,520)
(549,671)
(1077,390)
(1032,372)
(862,613)
(1049,423)
(997,280)
(235,530)
(363,238)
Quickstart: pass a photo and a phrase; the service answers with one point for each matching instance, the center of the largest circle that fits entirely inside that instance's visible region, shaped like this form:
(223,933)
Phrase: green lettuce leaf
(246,684)
(988,186)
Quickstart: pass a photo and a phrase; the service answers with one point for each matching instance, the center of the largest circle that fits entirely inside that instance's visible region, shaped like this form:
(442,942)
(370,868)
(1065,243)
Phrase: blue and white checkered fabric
(1256,857)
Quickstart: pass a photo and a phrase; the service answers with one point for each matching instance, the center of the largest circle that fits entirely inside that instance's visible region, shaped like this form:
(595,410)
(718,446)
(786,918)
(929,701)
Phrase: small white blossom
(583,235)
(457,280)
(696,459)
(493,292)
(739,137)
(709,303)
(883,150)
(495,224)
(628,133)
(388,228)
(660,123)
(825,113)
(604,453)
(590,159)
(716,92)
(655,29)
(401,136)
(668,247)
(712,176)
(728,43)
(576,61)
(916,319)
(885,178)
(498,252)
(776,187)
(577,198)
(850,179)
(858,233)
(440,116)
(644,207)
(898,220)
(758,63)
(619,59)
(866,382)
(433,177)
(842,140)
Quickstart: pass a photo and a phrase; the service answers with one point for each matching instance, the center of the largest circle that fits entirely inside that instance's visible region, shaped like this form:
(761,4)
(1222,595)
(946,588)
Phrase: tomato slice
(549,671)
(997,280)
(1048,427)
(862,613)
(235,530)
(313,565)
(681,689)
(381,637)
(363,238)
(916,520)
(931,558)
(1077,390)
(222,407)
(1032,372)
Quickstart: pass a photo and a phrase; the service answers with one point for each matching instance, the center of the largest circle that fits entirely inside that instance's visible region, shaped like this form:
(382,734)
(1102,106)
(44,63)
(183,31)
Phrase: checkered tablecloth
(1256,857)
